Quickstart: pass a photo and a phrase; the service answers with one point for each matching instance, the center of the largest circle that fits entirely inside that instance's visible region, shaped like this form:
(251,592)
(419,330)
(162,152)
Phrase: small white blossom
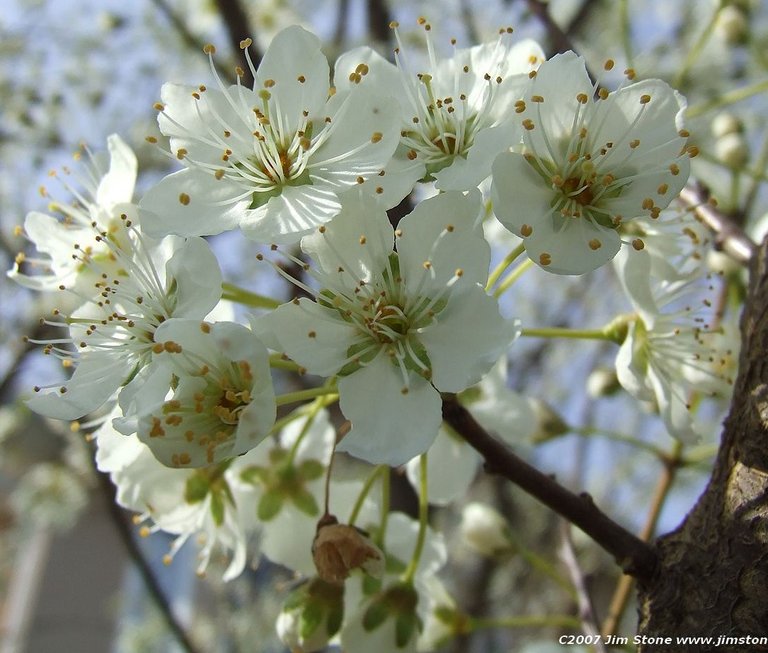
(137,287)
(101,206)
(207,397)
(272,159)
(399,327)
(672,349)
(203,504)
(587,165)
(455,111)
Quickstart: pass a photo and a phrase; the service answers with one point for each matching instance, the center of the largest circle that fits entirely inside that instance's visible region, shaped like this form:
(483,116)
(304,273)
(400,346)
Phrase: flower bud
(602,382)
(311,615)
(732,150)
(726,123)
(732,25)
(339,548)
(485,530)
(549,424)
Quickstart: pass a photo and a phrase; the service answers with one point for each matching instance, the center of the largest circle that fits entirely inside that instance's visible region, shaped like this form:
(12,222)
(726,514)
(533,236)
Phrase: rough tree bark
(712,573)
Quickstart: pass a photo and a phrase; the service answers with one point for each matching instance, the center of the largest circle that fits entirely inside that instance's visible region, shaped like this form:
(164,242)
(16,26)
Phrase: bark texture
(712,577)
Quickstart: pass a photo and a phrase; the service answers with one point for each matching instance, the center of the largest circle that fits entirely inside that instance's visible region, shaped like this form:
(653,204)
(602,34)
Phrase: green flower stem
(385,497)
(278,362)
(542,565)
(625,29)
(525,621)
(501,267)
(314,409)
(410,572)
(247,298)
(558,332)
(303,395)
(512,277)
(325,400)
(696,50)
(727,99)
(620,437)
(377,471)
(700,454)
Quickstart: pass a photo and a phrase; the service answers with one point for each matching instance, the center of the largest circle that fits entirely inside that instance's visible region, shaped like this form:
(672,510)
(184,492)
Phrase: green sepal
(311,618)
(376,614)
(305,502)
(311,469)
(270,504)
(254,475)
(405,626)
(217,507)
(335,619)
(371,585)
(196,488)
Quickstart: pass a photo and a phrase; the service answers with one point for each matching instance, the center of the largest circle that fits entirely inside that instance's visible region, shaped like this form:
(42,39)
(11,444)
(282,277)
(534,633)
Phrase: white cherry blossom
(587,165)
(673,348)
(138,286)
(208,395)
(271,159)
(399,327)
(102,202)
(455,110)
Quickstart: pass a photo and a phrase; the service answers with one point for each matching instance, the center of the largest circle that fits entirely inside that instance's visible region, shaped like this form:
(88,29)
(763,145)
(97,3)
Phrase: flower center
(578,190)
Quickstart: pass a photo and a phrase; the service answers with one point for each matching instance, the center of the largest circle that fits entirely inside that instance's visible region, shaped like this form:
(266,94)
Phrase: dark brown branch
(559,40)
(633,555)
(379,18)
(238,29)
(118,517)
(729,237)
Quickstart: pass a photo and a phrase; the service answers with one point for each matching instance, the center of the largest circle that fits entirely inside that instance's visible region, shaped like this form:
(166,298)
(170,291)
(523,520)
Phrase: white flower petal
(116,187)
(388,426)
(191,202)
(467,339)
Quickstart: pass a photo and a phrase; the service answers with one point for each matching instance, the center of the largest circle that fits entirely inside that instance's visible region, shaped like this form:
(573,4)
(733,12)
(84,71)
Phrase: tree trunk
(712,577)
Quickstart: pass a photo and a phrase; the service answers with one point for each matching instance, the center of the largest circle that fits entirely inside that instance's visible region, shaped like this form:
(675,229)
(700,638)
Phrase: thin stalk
(247,298)
(302,395)
(509,259)
(561,332)
(696,50)
(377,471)
(410,572)
(727,99)
(512,277)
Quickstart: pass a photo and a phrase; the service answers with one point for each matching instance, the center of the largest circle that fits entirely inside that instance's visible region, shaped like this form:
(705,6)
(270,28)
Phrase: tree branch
(238,28)
(729,237)
(633,555)
(125,533)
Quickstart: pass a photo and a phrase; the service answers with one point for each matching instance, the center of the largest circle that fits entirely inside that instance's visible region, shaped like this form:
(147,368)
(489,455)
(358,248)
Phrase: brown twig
(729,237)
(125,534)
(238,29)
(589,623)
(633,555)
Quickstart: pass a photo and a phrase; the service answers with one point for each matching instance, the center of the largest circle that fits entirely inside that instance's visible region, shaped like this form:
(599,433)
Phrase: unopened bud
(732,25)
(549,424)
(732,150)
(485,530)
(725,123)
(602,382)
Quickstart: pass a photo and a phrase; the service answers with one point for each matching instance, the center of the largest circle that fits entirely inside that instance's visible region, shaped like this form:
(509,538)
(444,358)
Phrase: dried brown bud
(339,548)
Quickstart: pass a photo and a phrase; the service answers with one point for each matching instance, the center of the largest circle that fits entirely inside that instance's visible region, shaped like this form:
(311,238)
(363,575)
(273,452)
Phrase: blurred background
(74,575)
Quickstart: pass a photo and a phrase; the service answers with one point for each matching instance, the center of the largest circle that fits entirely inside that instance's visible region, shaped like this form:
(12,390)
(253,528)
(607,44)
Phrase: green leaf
(269,505)
(196,488)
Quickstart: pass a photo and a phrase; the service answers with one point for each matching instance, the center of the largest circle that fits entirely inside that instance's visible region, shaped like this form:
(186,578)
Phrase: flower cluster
(391,316)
